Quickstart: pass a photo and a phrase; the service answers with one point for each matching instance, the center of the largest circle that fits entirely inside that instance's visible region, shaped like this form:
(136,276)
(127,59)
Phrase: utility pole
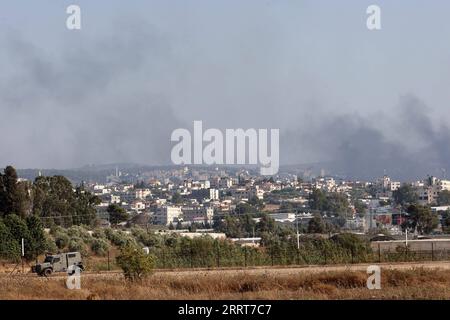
(406,237)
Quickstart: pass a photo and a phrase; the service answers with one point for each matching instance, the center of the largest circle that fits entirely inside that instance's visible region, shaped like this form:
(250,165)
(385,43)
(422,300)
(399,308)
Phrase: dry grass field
(319,283)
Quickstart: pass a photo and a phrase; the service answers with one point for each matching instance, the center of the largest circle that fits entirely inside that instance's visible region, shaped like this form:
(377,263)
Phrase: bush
(146,238)
(99,234)
(77,244)
(134,262)
(61,239)
(50,245)
(119,238)
(100,247)
(80,232)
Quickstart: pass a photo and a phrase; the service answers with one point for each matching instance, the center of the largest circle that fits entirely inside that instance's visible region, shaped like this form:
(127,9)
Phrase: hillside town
(197,199)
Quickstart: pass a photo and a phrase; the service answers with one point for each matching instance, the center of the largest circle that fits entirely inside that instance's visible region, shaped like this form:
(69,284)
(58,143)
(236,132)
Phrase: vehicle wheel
(48,272)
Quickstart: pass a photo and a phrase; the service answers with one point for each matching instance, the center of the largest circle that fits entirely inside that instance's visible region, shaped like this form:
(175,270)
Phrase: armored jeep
(62,262)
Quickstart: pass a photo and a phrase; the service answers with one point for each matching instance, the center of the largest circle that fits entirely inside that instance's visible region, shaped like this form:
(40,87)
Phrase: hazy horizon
(367,102)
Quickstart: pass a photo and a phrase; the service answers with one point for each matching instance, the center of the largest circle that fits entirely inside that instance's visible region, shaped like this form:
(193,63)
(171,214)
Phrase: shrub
(119,238)
(134,262)
(99,234)
(100,247)
(146,238)
(61,239)
(77,244)
(80,232)
(50,245)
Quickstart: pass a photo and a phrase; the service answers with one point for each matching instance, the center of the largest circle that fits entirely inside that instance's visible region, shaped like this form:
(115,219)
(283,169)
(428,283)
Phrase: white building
(115,198)
(197,214)
(166,215)
(142,193)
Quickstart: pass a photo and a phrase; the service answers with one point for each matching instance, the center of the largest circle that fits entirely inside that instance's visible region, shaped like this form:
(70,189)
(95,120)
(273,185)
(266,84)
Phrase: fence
(251,257)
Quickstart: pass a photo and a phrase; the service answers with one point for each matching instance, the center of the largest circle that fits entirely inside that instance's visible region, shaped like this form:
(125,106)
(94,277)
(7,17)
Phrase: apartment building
(166,215)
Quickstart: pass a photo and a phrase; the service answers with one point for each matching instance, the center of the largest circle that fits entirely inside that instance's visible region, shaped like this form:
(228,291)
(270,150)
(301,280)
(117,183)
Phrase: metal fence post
(218,255)
(379,253)
(432,251)
(245,256)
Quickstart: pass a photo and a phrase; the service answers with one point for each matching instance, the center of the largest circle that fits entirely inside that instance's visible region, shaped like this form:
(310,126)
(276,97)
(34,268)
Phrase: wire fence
(249,257)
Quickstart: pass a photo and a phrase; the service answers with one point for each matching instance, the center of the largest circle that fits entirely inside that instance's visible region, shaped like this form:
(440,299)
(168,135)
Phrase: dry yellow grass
(418,283)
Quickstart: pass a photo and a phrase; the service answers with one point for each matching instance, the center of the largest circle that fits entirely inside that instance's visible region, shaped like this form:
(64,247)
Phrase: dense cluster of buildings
(185,196)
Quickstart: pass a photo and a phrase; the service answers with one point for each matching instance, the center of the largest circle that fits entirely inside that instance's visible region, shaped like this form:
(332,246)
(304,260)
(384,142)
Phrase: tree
(405,195)
(34,239)
(9,247)
(177,198)
(13,196)
(422,219)
(117,214)
(338,204)
(446,221)
(134,262)
(244,208)
(360,208)
(55,199)
(266,224)
(318,200)
(316,224)
(85,202)
(38,240)
(444,198)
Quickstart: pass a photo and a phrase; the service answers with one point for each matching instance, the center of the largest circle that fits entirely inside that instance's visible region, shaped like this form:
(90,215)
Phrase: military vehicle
(61,262)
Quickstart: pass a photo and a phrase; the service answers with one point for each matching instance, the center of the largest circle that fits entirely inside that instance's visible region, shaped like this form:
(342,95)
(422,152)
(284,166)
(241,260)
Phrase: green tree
(134,262)
(13,195)
(316,224)
(37,237)
(318,200)
(422,219)
(56,201)
(117,214)
(177,198)
(266,224)
(444,198)
(446,221)
(360,208)
(405,195)
(9,247)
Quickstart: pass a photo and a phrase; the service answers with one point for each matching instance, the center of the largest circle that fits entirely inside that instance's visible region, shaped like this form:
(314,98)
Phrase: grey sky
(116,89)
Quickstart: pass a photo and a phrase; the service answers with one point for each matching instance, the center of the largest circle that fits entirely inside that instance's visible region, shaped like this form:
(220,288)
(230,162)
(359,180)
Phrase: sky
(364,102)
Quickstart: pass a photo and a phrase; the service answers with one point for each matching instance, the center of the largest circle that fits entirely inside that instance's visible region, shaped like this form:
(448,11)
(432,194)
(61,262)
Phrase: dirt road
(268,271)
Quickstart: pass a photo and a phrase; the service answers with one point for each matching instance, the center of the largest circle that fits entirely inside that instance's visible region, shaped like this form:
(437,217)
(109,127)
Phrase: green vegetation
(117,214)
(334,203)
(444,198)
(135,264)
(421,219)
(405,195)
